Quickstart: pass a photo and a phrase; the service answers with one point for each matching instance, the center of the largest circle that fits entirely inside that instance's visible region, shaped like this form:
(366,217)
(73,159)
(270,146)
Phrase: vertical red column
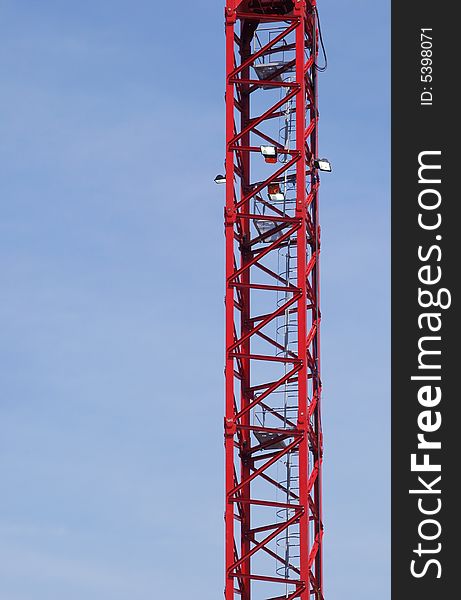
(301,239)
(273,517)
(315,434)
(245,296)
(317,383)
(229,221)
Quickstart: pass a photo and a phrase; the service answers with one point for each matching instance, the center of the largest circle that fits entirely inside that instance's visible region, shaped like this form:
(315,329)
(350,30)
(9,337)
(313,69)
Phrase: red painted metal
(273,439)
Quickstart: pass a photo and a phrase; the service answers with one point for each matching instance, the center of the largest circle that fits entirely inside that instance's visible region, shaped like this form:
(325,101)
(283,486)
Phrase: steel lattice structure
(273,439)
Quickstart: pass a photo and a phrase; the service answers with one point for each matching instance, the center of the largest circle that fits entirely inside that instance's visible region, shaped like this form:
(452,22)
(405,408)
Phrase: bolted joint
(229,428)
(299,7)
(230,15)
(229,216)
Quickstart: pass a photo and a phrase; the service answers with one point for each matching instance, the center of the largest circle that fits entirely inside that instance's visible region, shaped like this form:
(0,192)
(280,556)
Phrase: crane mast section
(272,425)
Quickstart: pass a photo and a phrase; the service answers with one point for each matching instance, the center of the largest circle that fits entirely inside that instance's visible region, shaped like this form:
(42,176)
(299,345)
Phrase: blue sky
(111,313)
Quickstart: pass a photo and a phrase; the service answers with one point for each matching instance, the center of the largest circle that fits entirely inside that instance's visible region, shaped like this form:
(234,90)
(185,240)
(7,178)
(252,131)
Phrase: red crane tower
(273,439)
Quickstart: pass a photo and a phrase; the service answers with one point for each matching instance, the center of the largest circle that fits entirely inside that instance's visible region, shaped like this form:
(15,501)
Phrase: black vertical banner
(426,267)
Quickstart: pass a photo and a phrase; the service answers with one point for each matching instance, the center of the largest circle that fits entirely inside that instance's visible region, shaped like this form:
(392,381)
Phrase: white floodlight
(220,179)
(269,153)
(275,194)
(268,150)
(323,164)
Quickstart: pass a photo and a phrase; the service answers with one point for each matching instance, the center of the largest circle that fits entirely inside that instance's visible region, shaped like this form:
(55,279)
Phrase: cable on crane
(325,58)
